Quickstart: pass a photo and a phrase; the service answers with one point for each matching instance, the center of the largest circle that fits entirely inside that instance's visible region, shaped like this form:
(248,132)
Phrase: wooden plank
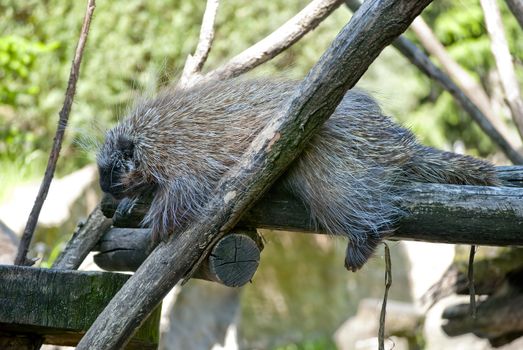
(61,305)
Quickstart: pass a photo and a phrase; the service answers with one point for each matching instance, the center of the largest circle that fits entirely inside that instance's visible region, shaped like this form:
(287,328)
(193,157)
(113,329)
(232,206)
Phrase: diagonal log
(373,27)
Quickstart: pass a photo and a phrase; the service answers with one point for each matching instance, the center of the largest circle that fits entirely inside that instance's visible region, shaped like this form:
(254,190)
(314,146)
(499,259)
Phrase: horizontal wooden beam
(61,305)
(433,213)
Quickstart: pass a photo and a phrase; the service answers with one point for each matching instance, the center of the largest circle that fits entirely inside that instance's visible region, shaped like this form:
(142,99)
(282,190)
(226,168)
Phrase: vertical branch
(470,87)
(383,312)
(194,63)
(507,73)
(472,289)
(57,142)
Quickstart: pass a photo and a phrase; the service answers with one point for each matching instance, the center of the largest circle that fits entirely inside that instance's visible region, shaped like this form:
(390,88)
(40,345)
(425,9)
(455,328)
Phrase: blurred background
(301,295)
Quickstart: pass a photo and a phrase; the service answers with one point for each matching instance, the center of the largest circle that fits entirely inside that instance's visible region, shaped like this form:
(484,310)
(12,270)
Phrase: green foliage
(133,48)
(460,27)
(17,58)
(314,344)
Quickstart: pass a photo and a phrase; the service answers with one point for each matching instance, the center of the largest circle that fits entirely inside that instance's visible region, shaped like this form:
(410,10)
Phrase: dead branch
(383,312)
(501,53)
(516,7)
(470,87)
(83,241)
(373,27)
(417,57)
(25,241)
(194,63)
(281,39)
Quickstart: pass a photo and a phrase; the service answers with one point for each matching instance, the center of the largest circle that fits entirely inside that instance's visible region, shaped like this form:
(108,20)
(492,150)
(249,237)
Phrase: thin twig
(516,6)
(57,142)
(388,283)
(281,39)
(463,79)
(501,53)
(472,289)
(417,57)
(194,63)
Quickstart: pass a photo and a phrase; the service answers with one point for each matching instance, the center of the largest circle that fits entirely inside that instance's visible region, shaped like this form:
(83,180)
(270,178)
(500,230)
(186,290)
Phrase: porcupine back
(348,174)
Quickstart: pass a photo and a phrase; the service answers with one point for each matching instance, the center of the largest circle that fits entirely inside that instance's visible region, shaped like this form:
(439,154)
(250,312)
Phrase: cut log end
(232,262)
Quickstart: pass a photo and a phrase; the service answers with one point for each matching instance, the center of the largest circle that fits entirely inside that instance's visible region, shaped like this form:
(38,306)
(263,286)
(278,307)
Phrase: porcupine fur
(181,142)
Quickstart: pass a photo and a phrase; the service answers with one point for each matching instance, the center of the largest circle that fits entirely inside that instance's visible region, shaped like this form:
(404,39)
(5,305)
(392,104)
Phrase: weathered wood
(463,214)
(32,220)
(492,268)
(372,28)
(232,262)
(499,319)
(278,41)
(123,249)
(285,213)
(481,215)
(84,239)
(61,305)
(510,176)
(487,216)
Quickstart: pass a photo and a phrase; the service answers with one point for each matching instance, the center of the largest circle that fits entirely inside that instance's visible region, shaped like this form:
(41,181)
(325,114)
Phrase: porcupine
(182,141)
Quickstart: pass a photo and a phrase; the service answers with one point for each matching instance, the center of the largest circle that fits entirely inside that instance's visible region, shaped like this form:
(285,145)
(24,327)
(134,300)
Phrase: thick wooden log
(480,215)
(60,306)
(232,262)
(372,28)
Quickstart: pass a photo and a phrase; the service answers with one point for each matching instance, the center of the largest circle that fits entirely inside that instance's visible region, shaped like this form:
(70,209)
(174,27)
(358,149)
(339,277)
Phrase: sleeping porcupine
(181,143)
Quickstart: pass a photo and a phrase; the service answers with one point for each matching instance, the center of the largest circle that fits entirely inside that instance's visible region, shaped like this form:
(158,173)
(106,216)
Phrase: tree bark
(373,27)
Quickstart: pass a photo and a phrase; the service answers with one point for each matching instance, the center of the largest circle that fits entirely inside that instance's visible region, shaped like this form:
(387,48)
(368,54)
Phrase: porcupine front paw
(358,254)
